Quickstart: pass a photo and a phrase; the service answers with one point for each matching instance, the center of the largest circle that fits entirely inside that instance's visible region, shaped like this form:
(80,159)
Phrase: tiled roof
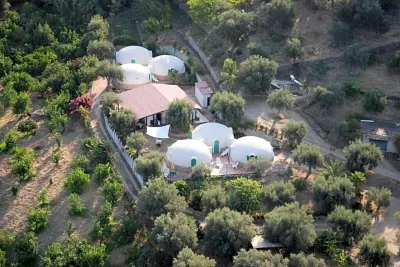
(152,98)
(204,88)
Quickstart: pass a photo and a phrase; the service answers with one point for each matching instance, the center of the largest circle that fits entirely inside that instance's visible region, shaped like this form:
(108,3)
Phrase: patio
(224,166)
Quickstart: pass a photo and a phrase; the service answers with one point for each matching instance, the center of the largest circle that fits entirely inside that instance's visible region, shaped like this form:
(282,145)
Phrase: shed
(247,147)
(214,135)
(203,93)
(161,65)
(188,153)
(382,133)
(133,54)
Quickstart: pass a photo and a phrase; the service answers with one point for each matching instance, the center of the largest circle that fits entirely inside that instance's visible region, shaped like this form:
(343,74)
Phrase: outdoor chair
(158,142)
(235,165)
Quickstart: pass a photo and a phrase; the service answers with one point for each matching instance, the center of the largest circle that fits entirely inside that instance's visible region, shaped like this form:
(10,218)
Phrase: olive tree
(136,141)
(172,233)
(279,13)
(374,251)
(227,231)
(380,196)
(291,226)
(280,99)
(327,193)
(256,73)
(361,155)
(260,258)
(229,108)
(102,49)
(350,225)
(205,11)
(179,115)
(293,48)
(158,197)
(309,155)
(123,122)
(214,198)
(187,258)
(243,194)
(109,101)
(258,165)
(276,194)
(149,165)
(21,104)
(110,72)
(294,132)
(303,260)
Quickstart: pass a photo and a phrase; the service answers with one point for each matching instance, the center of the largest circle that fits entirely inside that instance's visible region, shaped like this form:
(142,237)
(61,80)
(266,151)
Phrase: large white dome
(187,153)
(135,74)
(245,147)
(211,132)
(162,64)
(138,54)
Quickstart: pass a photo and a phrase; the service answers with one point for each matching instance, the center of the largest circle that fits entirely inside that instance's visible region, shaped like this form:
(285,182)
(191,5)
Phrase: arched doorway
(216,146)
(190,135)
(193,162)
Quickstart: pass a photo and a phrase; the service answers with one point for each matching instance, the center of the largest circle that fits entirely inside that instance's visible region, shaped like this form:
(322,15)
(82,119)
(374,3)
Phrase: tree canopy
(123,122)
(228,72)
(179,115)
(149,165)
(229,108)
(187,258)
(277,194)
(243,194)
(361,155)
(374,251)
(136,141)
(303,260)
(309,155)
(214,198)
(110,71)
(280,99)
(380,196)
(294,132)
(260,258)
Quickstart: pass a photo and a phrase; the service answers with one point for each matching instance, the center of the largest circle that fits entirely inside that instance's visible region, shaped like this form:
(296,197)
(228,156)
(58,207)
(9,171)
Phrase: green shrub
(300,184)
(77,179)
(321,4)
(375,101)
(56,156)
(101,173)
(21,104)
(104,223)
(124,40)
(214,198)
(2,258)
(352,88)
(293,48)
(195,200)
(27,126)
(81,162)
(280,13)
(75,205)
(125,234)
(394,62)
(258,165)
(27,250)
(342,33)
(258,50)
(10,141)
(201,171)
(350,129)
(38,219)
(183,188)
(328,98)
(112,190)
(7,238)
(22,163)
(43,198)
(354,56)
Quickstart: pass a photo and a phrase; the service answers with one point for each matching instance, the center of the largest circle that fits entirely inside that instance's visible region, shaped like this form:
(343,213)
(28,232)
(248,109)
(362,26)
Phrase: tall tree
(280,99)
(360,155)
(158,197)
(110,71)
(291,226)
(149,165)
(374,251)
(102,49)
(187,258)
(309,155)
(294,132)
(179,114)
(243,194)
(260,258)
(227,231)
(136,141)
(228,72)
(123,122)
(256,73)
(229,108)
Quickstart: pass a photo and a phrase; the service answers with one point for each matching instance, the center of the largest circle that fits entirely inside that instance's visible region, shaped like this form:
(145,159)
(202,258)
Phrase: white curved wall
(140,54)
(210,132)
(162,64)
(135,74)
(181,153)
(250,145)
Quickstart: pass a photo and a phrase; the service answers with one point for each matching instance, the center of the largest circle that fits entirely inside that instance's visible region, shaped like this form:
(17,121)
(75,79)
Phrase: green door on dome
(133,61)
(190,135)
(193,162)
(216,146)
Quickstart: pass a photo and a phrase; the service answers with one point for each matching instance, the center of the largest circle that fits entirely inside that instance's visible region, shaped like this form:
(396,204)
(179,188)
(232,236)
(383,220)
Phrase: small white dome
(211,132)
(135,74)
(162,64)
(133,54)
(187,153)
(247,146)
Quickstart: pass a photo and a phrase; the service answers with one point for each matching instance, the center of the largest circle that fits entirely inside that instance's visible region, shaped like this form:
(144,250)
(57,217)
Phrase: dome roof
(162,64)
(182,152)
(247,146)
(211,132)
(135,74)
(140,54)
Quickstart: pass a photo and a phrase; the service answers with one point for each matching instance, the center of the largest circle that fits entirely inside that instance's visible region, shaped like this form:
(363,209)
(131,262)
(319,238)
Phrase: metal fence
(121,148)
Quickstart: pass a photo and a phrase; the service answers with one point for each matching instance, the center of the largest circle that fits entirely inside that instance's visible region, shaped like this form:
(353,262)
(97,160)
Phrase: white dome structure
(133,54)
(162,64)
(246,147)
(213,134)
(188,153)
(135,74)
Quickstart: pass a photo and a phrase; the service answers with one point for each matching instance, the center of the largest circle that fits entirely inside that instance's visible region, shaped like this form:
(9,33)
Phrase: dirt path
(258,107)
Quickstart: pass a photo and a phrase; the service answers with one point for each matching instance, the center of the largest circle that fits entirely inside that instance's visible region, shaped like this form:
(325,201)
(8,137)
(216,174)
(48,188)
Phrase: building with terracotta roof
(150,101)
(203,93)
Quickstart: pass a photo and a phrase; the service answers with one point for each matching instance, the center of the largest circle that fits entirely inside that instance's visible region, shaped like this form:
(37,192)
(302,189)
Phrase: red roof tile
(152,98)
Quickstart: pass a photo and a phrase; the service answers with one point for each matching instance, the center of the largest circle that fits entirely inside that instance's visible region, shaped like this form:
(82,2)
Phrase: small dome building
(134,75)
(214,135)
(247,147)
(187,153)
(133,54)
(161,65)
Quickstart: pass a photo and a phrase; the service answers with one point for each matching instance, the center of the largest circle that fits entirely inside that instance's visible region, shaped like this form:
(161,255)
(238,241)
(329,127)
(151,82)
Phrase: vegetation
(101,172)
(243,194)
(103,223)
(38,219)
(27,250)
(309,155)
(341,33)
(27,126)
(303,260)
(149,165)
(361,155)
(179,115)
(136,141)
(21,104)
(375,101)
(183,188)
(228,108)
(228,73)
(214,198)
(379,196)
(110,100)
(158,197)
(354,56)
(76,180)
(280,14)
(75,205)
(227,231)
(187,258)
(280,99)
(110,72)
(200,171)
(291,226)
(294,132)
(173,233)
(394,62)
(293,48)
(123,122)
(22,162)
(255,257)
(112,190)
(277,194)
(374,251)
(258,165)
